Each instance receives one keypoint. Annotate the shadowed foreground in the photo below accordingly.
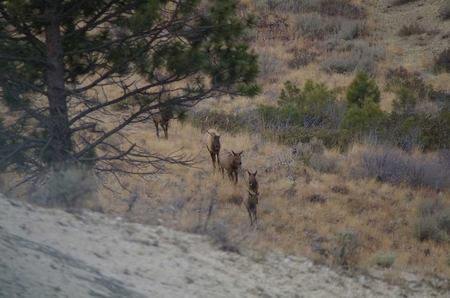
(52, 253)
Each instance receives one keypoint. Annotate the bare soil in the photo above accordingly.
(55, 253)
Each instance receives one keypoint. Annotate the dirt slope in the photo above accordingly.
(52, 253)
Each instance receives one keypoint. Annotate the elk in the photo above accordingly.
(212, 141)
(162, 118)
(231, 162)
(253, 184)
(250, 202)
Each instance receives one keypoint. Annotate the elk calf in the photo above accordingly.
(253, 184)
(231, 162)
(250, 202)
(212, 141)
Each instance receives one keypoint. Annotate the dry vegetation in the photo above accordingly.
(330, 212)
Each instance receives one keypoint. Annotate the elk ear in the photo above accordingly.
(233, 152)
(256, 173)
(240, 153)
(248, 172)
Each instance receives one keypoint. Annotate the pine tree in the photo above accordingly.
(362, 88)
(58, 58)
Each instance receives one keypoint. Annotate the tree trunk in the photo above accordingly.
(58, 121)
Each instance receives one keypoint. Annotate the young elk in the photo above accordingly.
(253, 184)
(250, 202)
(231, 162)
(212, 141)
(162, 118)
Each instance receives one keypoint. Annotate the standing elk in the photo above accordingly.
(250, 202)
(162, 118)
(212, 141)
(231, 162)
(253, 184)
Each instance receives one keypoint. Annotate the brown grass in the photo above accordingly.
(291, 213)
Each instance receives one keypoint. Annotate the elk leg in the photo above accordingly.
(157, 129)
(165, 128)
(251, 220)
(213, 158)
(230, 175)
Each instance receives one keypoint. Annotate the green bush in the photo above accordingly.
(361, 120)
(363, 97)
(312, 106)
(269, 116)
(408, 135)
(340, 139)
(362, 88)
(433, 221)
(385, 260)
(435, 131)
(404, 103)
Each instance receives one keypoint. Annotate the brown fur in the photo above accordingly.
(253, 184)
(160, 119)
(250, 202)
(212, 141)
(231, 162)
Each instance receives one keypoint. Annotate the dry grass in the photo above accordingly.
(291, 213)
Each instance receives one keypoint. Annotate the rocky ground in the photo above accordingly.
(54, 253)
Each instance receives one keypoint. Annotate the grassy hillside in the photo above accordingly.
(314, 201)
(327, 208)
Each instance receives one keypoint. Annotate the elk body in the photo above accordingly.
(231, 162)
(162, 118)
(250, 202)
(212, 141)
(253, 184)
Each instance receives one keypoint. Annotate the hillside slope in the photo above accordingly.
(52, 253)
